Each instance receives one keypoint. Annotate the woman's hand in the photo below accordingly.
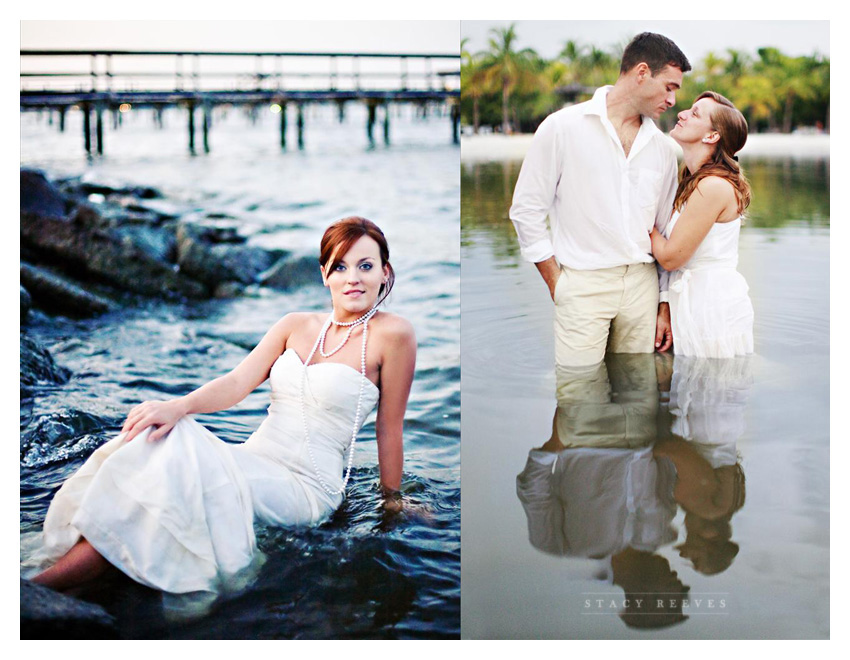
(162, 414)
(393, 503)
(392, 500)
(657, 240)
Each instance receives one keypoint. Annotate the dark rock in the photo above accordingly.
(211, 255)
(80, 242)
(288, 274)
(211, 231)
(47, 614)
(157, 243)
(26, 303)
(54, 293)
(38, 367)
(140, 192)
(157, 215)
(228, 290)
(118, 216)
(39, 196)
(129, 247)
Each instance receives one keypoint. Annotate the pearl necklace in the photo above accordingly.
(350, 325)
(320, 342)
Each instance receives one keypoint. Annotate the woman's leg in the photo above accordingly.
(79, 565)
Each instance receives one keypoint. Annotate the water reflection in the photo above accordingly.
(708, 400)
(634, 438)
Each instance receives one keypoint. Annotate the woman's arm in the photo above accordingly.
(398, 365)
(711, 199)
(218, 394)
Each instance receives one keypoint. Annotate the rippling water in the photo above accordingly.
(360, 574)
(768, 559)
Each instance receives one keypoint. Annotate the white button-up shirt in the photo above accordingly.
(601, 204)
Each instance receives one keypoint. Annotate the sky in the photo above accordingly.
(695, 38)
(346, 36)
(412, 37)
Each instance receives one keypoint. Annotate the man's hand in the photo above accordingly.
(550, 271)
(663, 328)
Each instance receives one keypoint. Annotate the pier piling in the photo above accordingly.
(300, 124)
(87, 127)
(455, 123)
(387, 124)
(370, 121)
(191, 110)
(99, 129)
(206, 128)
(283, 126)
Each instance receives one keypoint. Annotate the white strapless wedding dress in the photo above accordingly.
(710, 309)
(177, 514)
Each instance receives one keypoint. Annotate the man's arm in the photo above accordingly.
(534, 195)
(550, 271)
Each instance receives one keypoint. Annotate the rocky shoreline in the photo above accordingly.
(81, 258)
(89, 249)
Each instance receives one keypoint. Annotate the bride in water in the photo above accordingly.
(173, 506)
(710, 309)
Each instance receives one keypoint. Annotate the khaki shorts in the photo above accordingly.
(613, 309)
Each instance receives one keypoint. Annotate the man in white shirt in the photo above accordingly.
(604, 174)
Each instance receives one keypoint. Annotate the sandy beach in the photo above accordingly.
(476, 148)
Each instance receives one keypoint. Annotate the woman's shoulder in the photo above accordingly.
(715, 197)
(295, 320)
(395, 328)
(716, 187)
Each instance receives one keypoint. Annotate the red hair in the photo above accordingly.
(341, 235)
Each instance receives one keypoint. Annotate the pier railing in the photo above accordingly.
(99, 81)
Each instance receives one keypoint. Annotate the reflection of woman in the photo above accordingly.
(711, 313)
(173, 506)
(708, 400)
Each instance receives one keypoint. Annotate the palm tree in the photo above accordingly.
(508, 69)
(572, 55)
(755, 98)
(473, 83)
(791, 78)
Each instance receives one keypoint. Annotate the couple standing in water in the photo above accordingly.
(637, 261)
(606, 177)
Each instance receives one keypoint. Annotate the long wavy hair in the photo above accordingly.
(730, 124)
(341, 235)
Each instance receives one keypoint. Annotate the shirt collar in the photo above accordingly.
(597, 106)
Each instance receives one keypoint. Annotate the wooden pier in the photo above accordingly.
(99, 82)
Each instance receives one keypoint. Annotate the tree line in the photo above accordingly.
(512, 90)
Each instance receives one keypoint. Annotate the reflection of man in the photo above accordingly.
(604, 174)
(595, 488)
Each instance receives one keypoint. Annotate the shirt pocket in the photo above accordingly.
(649, 193)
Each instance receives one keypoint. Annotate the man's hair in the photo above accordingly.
(656, 50)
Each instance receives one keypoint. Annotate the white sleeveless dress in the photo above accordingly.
(710, 309)
(177, 514)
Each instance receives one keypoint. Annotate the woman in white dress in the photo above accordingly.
(710, 310)
(173, 506)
